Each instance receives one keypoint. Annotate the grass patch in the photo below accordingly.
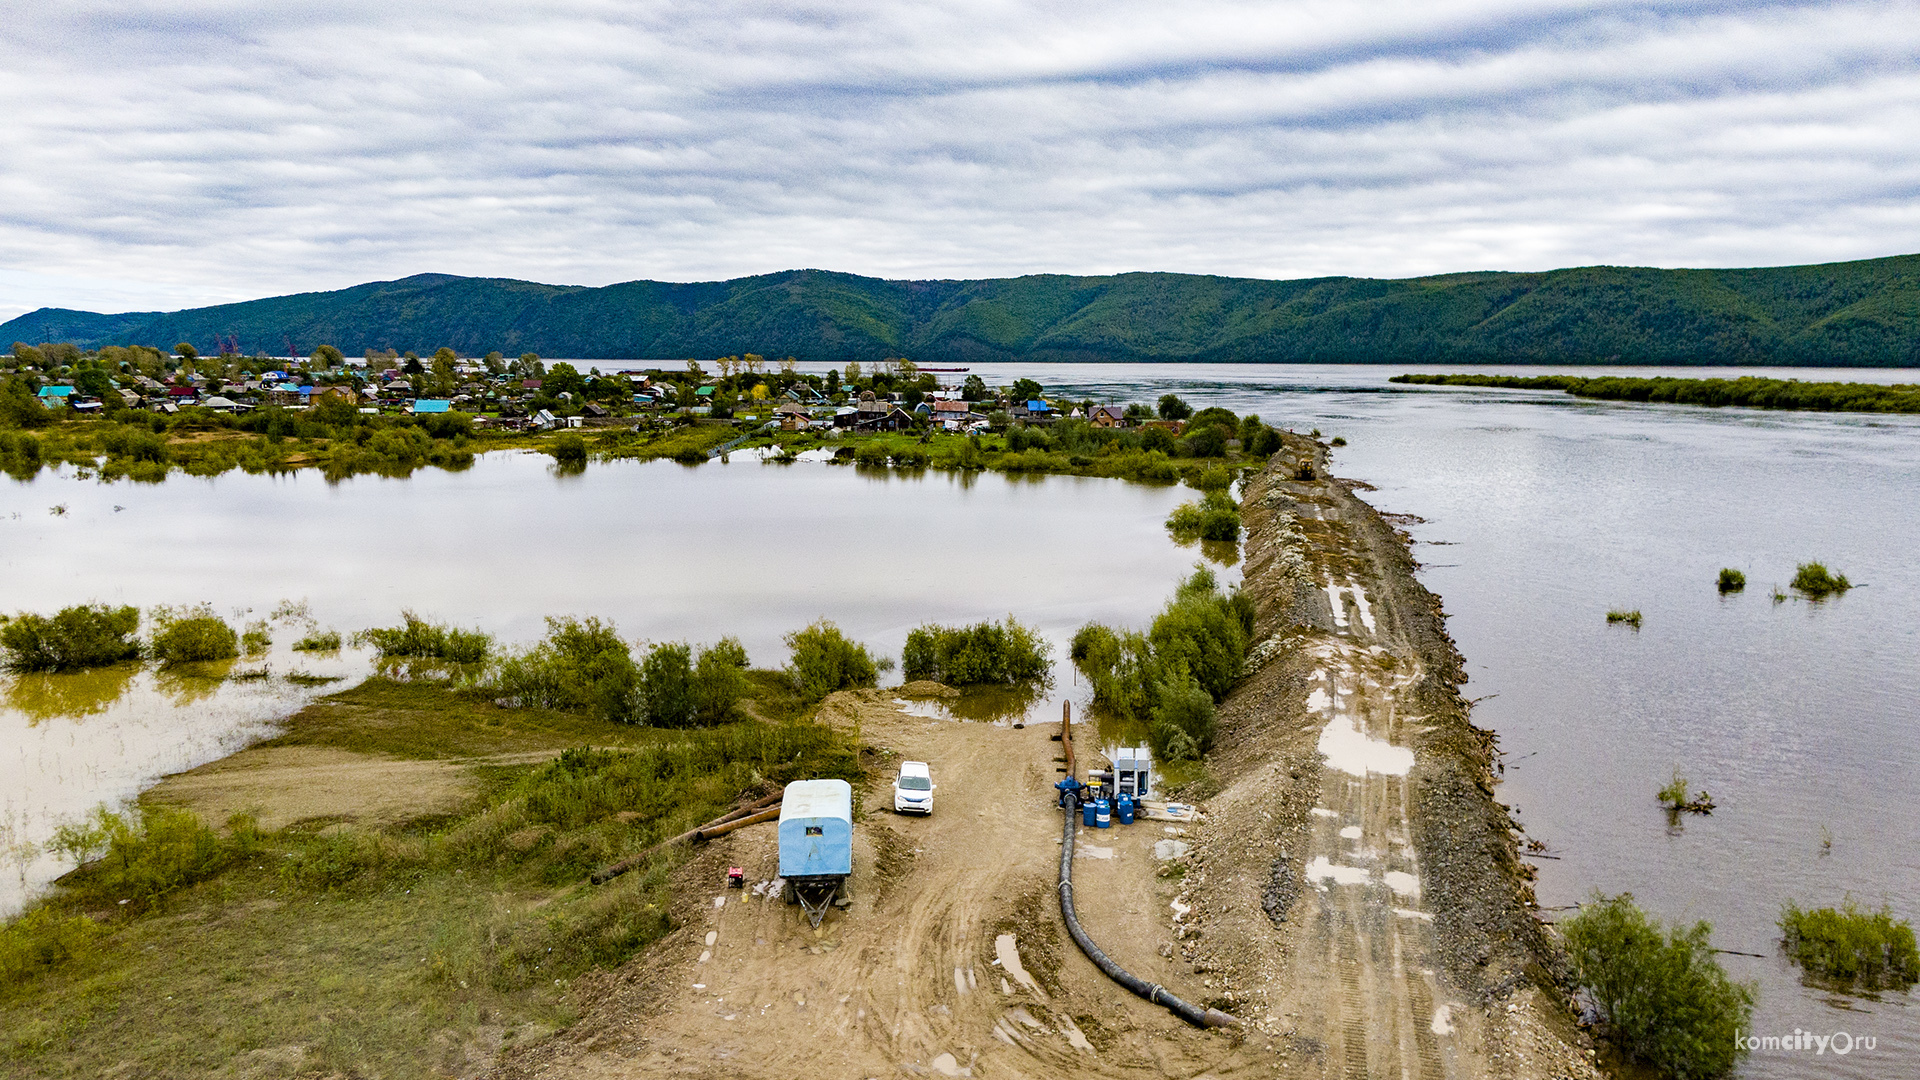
(1816, 582)
(1665, 1000)
(1850, 948)
(1630, 618)
(334, 950)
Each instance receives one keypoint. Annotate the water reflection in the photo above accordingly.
(1021, 703)
(43, 695)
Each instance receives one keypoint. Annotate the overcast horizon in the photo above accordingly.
(176, 154)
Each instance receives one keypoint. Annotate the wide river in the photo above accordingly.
(1538, 513)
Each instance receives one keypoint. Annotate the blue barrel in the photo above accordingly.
(1102, 814)
(1087, 813)
(1125, 810)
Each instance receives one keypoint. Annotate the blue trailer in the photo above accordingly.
(816, 843)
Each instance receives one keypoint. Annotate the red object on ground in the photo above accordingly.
(736, 877)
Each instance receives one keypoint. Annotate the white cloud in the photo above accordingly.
(164, 154)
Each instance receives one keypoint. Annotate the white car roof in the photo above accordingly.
(914, 768)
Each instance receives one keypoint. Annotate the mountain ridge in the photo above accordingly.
(1859, 313)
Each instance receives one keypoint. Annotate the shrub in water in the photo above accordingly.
(1732, 580)
(319, 642)
(582, 665)
(1850, 947)
(83, 636)
(824, 661)
(1665, 999)
(975, 655)
(416, 638)
(568, 449)
(1199, 641)
(1815, 580)
(257, 638)
(1631, 618)
(1214, 517)
(183, 635)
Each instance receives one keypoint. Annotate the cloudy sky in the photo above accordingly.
(168, 153)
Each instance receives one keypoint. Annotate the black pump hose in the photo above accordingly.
(1196, 1015)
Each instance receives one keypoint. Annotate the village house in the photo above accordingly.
(1108, 416)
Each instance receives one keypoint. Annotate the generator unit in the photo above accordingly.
(1133, 772)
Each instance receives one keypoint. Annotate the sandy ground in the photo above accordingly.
(282, 785)
(909, 978)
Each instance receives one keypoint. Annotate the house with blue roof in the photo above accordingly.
(431, 405)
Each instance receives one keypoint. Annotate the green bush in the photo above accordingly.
(582, 665)
(83, 636)
(824, 661)
(870, 454)
(1665, 999)
(1198, 642)
(415, 638)
(1732, 580)
(680, 689)
(1850, 947)
(1214, 517)
(139, 859)
(1815, 580)
(974, 655)
(568, 449)
(40, 940)
(256, 639)
(1630, 618)
(184, 635)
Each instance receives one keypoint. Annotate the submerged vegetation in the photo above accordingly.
(82, 636)
(417, 639)
(1745, 392)
(981, 654)
(1815, 581)
(1665, 1000)
(1171, 676)
(187, 635)
(1214, 516)
(1677, 797)
(824, 660)
(1731, 580)
(1620, 615)
(1850, 948)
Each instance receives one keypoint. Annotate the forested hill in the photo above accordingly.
(1856, 313)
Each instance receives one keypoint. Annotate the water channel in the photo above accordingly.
(1537, 513)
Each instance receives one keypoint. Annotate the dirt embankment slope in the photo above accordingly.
(1352, 893)
(1358, 884)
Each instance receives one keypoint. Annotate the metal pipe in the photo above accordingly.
(601, 877)
(1197, 1015)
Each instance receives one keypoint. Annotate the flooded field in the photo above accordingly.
(665, 551)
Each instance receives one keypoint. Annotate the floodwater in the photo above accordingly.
(1540, 513)
(665, 551)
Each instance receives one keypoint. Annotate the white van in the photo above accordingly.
(913, 789)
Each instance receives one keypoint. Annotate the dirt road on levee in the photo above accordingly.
(1351, 893)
